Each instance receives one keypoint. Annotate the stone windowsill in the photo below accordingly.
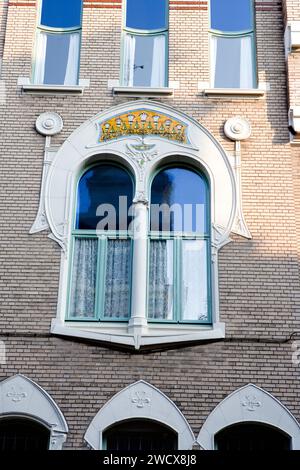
(154, 336)
(34, 89)
(142, 92)
(234, 92)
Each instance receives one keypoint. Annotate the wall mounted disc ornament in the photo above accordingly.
(237, 128)
(49, 124)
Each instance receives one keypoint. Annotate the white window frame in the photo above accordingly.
(144, 33)
(42, 29)
(214, 33)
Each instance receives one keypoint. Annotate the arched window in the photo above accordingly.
(58, 42)
(252, 437)
(232, 44)
(23, 434)
(140, 435)
(179, 247)
(101, 272)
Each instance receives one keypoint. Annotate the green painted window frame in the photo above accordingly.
(178, 238)
(40, 28)
(144, 32)
(237, 34)
(103, 236)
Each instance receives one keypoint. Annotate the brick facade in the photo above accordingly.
(258, 278)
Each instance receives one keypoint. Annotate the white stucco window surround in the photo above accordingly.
(249, 404)
(140, 400)
(23, 398)
(142, 155)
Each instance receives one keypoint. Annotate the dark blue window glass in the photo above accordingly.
(179, 201)
(103, 185)
(146, 14)
(231, 15)
(61, 13)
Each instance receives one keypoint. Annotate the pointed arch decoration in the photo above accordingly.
(249, 404)
(21, 397)
(140, 400)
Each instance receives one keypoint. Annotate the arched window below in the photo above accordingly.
(23, 434)
(252, 437)
(140, 435)
(179, 268)
(101, 266)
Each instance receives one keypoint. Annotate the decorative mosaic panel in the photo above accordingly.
(143, 123)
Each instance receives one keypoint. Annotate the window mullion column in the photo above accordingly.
(138, 320)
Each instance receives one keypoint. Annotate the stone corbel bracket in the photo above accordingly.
(47, 124)
(294, 124)
(238, 129)
(292, 37)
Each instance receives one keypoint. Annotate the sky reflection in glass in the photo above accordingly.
(188, 190)
(104, 184)
(231, 15)
(61, 13)
(146, 14)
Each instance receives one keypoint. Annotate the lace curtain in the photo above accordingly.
(117, 286)
(84, 278)
(161, 280)
(194, 280)
(117, 279)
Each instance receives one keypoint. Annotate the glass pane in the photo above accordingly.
(117, 285)
(194, 280)
(179, 201)
(84, 269)
(146, 14)
(61, 52)
(104, 196)
(232, 62)
(144, 60)
(161, 280)
(61, 13)
(231, 15)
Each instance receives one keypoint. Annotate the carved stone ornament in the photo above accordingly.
(237, 128)
(49, 124)
(251, 403)
(141, 153)
(16, 394)
(140, 399)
